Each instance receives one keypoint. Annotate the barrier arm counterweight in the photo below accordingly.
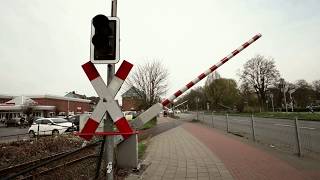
(156, 108)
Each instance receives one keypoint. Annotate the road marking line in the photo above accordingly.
(240, 120)
(287, 125)
(311, 128)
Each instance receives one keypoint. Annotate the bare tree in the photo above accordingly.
(150, 82)
(259, 74)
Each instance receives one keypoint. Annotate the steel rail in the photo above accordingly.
(55, 158)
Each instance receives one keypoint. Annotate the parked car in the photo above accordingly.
(51, 126)
(12, 122)
(165, 113)
(177, 111)
(33, 119)
(130, 115)
(75, 120)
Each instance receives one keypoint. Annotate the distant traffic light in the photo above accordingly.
(104, 46)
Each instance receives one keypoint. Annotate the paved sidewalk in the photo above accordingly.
(244, 161)
(176, 154)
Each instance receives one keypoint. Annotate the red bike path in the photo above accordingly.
(244, 161)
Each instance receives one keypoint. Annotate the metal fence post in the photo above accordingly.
(203, 119)
(227, 119)
(212, 119)
(252, 128)
(298, 137)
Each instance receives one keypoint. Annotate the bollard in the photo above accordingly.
(298, 137)
(252, 128)
(227, 119)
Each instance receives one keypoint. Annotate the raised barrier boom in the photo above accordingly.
(156, 108)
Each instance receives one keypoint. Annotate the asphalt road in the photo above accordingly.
(8, 134)
(276, 132)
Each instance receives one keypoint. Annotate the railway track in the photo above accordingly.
(59, 166)
(28, 169)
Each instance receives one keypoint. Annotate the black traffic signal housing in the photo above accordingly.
(104, 48)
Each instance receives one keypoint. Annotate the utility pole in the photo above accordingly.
(68, 108)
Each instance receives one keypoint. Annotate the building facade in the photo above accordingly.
(64, 105)
(42, 106)
(131, 101)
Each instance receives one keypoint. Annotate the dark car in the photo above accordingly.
(165, 113)
(75, 121)
(12, 122)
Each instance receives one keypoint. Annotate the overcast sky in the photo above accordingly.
(43, 43)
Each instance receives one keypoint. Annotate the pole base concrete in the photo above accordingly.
(127, 156)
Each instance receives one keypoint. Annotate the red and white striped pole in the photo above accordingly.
(208, 71)
(155, 109)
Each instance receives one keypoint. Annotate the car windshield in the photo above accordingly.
(59, 120)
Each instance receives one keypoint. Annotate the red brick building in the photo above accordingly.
(42, 105)
(64, 104)
(131, 101)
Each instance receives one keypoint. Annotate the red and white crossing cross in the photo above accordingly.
(107, 102)
(156, 108)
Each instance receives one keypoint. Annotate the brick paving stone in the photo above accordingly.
(243, 161)
(176, 154)
(202, 174)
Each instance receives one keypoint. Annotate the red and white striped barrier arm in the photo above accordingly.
(107, 103)
(156, 108)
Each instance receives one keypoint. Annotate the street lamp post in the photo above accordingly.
(68, 108)
(68, 104)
